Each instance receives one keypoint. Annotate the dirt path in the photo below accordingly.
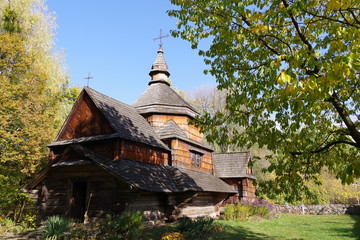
(31, 235)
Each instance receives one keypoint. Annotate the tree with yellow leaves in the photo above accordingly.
(291, 71)
(34, 89)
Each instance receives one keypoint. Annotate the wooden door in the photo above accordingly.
(78, 200)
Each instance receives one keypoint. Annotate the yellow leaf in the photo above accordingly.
(334, 5)
(284, 78)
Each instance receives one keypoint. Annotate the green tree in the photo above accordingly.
(34, 87)
(291, 69)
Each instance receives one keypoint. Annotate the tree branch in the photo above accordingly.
(354, 16)
(327, 146)
(296, 25)
(280, 40)
(267, 45)
(322, 17)
(340, 108)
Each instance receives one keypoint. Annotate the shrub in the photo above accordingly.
(55, 228)
(196, 228)
(127, 225)
(81, 231)
(7, 225)
(246, 210)
(173, 236)
(184, 224)
(229, 212)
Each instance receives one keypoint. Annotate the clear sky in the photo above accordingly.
(113, 40)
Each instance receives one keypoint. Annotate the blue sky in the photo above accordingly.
(113, 41)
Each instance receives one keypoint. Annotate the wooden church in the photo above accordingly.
(110, 156)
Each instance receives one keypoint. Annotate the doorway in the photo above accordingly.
(78, 200)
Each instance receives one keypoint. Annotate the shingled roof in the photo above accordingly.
(146, 176)
(159, 66)
(124, 119)
(171, 130)
(232, 165)
(161, 98)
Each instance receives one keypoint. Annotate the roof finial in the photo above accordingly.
(161, 37)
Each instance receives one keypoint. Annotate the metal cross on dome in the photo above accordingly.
(161, 37)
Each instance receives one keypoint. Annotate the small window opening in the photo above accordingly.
(196, 159)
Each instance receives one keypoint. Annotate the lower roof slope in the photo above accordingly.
(157, 178)
(145, 176)
(232, 165)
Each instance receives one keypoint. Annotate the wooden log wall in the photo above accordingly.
(84, 120)
(204, 204)
(151, 204)
(248, 189)
(105, 194)
(192, 132)
(245, 187)
(181, 156)
(143, 153)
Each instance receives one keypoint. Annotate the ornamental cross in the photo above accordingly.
(88, 78)
(161, 37)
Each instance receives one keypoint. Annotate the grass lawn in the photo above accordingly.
(306, 227)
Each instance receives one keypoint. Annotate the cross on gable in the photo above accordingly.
(88, 78)
(161, 37)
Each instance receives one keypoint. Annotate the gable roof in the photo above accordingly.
(232, 165)
(124, 119)
(145, 176)
(171, 130)
(161, 98)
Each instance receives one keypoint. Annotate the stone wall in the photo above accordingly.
(332, 209)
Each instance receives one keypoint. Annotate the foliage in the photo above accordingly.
(335, 192)
(9, 226)
(55, 228)
(197, 228)
(248, 210)
(127, 225)
(35, 93)
(173, 236)
(291, 72)
(80, 231)
(330, 191)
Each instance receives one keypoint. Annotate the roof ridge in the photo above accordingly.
(106, 96)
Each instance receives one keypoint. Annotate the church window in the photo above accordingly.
(196, 159)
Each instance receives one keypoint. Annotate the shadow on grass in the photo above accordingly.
(229, 233)
(356, 227)
(238, 232)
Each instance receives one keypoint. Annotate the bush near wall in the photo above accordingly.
(248, 210)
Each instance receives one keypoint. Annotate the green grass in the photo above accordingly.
(294, 227)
